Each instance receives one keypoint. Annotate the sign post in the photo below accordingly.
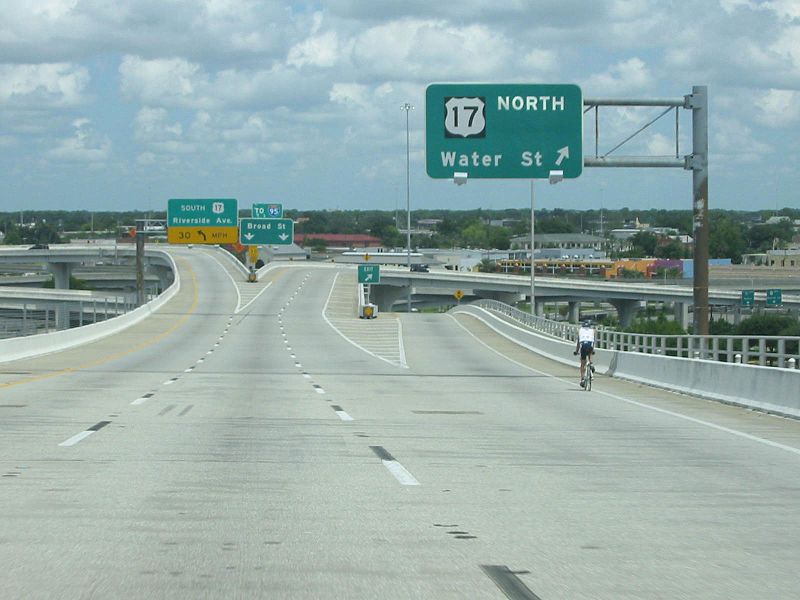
(503, 131)
(271, 232)
(202, 221)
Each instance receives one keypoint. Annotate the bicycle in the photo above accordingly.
(587, 379)
(588, 375)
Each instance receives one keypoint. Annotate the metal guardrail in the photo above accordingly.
(30, 318)
(774, 351)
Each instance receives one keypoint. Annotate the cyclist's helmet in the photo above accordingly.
(587, 323)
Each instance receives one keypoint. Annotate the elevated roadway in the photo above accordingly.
(625, 297)
(258, 440)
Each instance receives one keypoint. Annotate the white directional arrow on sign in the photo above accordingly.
(283, 237)
(368, 277)
(249, 236)
(562, 154)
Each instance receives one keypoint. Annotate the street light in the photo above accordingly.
(408, 107)
(554, 178)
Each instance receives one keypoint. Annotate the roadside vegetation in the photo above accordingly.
(732, 233)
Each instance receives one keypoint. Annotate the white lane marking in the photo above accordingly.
(336, 329)
(201, 360)
(76, 438)
(298, 365)
(344, 416)
(292, 356)
(169, 382)
(255, 297)
(400, 472)
(138, 401)
(236, 287)
(722, 428)
(306, 375)
(210, 352)
(189, 370)
(319, 390)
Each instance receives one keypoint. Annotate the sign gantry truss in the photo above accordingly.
(697, 162)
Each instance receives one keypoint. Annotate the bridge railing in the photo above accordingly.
(775, 351)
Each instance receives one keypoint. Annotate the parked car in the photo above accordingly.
(39, 247)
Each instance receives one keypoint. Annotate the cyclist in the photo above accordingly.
(585, 345)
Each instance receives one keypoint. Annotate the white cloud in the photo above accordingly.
(151, 125)
(428, 50)
(540, 60)
(631, 75)
(85, 146)
(778, 108)
(736, 141)
(660, 145)
(176, 82)
(43, 85)
(164, 81)
(317, 51)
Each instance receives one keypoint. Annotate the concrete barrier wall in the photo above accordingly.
(46, 343)
(763, 388)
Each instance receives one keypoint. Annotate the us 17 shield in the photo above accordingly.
(465, 117)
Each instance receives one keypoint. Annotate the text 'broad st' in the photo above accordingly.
(273, 232)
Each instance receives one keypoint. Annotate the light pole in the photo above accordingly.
(533, 269)
(554, 178)
(408, 107)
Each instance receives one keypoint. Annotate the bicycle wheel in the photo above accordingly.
(588, 386)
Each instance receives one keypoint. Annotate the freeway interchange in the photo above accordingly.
(259, 440)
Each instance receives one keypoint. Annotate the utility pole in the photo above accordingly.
(408, 107)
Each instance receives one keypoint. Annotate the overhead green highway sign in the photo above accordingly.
(369, 274)
(503, 131)
(774, 297)
(202, 221)
(272, 232)
(267, 211)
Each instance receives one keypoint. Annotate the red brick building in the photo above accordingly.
(338, 240)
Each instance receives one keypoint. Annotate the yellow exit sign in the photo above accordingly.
(203, 235)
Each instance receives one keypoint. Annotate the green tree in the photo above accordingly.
(761, 237)
(673, 249)
(475, 236)
(659, 326)
(643, 244)
(726, 238)
(500, 238)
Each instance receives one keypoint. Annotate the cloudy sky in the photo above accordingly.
(122, 105)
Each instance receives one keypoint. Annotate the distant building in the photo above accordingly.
(785, 259)
(503, 222)
(338, 240)
(777, 219)
(428, 225)
(558, 245)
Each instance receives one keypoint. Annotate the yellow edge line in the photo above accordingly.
(150, 342)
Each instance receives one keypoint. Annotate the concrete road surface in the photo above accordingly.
(258, 441)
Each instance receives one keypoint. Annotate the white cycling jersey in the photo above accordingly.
(586, 334)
